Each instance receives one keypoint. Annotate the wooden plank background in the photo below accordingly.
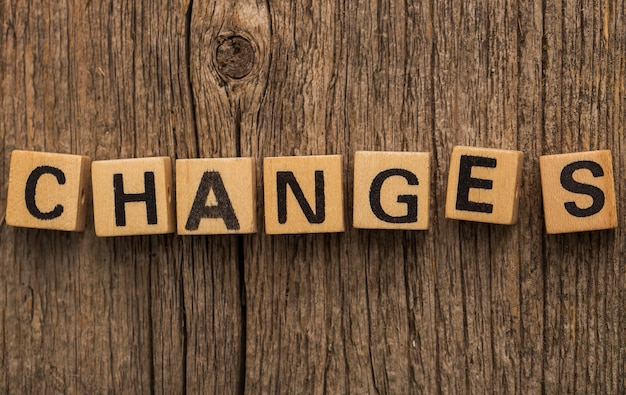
(461, 308)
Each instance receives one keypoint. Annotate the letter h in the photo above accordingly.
(148, 196)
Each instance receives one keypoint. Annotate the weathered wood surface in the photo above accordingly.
(461, 308)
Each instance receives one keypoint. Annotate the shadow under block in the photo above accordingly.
(578, 192)
(133, 196)
(303, 194)
(47, 191)
(483, 185)
(216, 196)
(391, 190)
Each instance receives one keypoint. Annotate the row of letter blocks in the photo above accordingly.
(301, 194)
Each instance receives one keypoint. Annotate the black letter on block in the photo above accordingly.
(567, 181)
(31, 187)
(466, 182)
(284, 178)
(212, 181)
(409, 200)
(121, 198)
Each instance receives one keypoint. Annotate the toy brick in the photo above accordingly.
(216, 196)
(578, 192)
(47, 191)
(483, 185)
(303, 194)
(391, 190)
(133, 196)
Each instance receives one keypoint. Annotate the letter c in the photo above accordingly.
(31, 188)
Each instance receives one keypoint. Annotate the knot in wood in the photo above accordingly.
(234, 57)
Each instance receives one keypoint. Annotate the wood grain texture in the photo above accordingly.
(81, 314)
(461, 308)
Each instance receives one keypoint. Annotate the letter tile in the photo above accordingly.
(391, 190)
(483, 185)
(216, 196)
(47, 191)
(303, 194)
(133, 196)
(578, 192)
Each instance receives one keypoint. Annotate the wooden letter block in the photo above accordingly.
(216, 196)
(391, 190)
(133, 196)
(303, 194)
(483, 185)
(578, 192)
(47, 191)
